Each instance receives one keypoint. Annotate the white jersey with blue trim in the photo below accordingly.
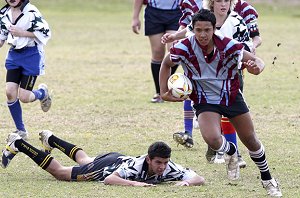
(30, 20)
(164, 4)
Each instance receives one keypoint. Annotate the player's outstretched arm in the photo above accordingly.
(171, 37)
(115, 179)
(252, 63)
(194, 181)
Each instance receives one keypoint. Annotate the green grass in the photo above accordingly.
(100, 76)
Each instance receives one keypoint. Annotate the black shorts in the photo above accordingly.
(93, 171)
(237, 108)
(159, 21)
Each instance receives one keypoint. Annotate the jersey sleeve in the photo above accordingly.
(128, 169)
(178, 173)
(179, 51)
(250, 16)
(187, 13)
(39, 27)
(3, 29)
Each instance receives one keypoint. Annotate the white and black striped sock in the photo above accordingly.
(260, 160)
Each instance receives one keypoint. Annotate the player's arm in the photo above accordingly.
(252, 63)
(256, 41)
(164, 74)
(171, 37)
(16, 31)
(115, 179)
(136, 23)
(194, 181)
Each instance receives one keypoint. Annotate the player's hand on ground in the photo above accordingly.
(251, 67)
(169, 97)
(143, 184)
(167, 38)
(182, 183)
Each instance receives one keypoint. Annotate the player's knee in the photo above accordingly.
(214, 142)
(11, 95)
(60, 175)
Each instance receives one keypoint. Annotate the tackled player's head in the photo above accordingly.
(159, 149)
(159, 154)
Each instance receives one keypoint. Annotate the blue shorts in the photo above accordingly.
(159, 21)
(237, 108)
(29, 59)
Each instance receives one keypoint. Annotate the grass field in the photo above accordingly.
(100, 76)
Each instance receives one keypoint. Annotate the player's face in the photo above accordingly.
(157, 165)
(13, 3)
(203, 31)
(221, 7)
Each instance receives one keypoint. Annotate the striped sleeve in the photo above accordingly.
(249, 15)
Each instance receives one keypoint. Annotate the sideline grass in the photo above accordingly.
(99, 72)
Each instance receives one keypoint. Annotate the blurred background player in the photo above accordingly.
(231, 26)
(161, 16)
(26, 31)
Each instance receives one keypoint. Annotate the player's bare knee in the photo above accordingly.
(11, 96)
(214, 142)
(60, 175)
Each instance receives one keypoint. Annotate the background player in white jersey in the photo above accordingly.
(112, 168)
(212, 62)
(26, 31)
(161, 16)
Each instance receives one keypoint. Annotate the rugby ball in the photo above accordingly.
(181, 86)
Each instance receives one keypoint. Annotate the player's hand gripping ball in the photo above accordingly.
(181, 86)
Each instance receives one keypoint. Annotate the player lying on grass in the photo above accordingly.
(112, 168)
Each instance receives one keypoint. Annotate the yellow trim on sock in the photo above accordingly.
(45, 161)
(72, 151)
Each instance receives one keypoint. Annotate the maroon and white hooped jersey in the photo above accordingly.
(215, 81)
(250, 16)
(188, 9)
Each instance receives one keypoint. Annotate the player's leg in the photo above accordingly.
(245, 129)
(185, 138)
(13, 78)
(158, 52)
(16, 144)
(50, 141)
(209, 123)
(231, 136)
